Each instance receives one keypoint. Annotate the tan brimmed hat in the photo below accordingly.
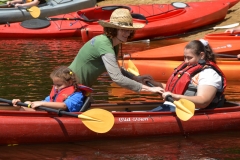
(121, 19)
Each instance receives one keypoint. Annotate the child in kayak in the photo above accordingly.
(66, 93)
(197, 79)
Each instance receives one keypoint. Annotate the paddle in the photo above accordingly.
(85, 19)
(227, 55)
(81, 19)
(184, 108)
(227, 26)
(111, 8)
(34, 10)
(97, 120)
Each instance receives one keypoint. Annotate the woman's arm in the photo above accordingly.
(205, 95)
(114, 72)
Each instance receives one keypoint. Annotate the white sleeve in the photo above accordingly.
(210, 77)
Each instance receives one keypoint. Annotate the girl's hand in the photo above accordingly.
(175, 96)
(14, 102)
(36, 104)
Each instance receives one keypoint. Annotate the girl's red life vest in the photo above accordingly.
(179, 81)
(66, 92)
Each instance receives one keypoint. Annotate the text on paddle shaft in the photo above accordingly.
(134, 119)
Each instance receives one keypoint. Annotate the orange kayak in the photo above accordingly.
(223, 36)
(161, 70)
(175, 52)
(163, 19)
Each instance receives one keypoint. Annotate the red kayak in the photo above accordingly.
(130, 120)
(223, 36)
(42, 28)
(163, 19)
(221, 47)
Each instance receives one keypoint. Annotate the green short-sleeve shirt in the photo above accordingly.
(88, 64)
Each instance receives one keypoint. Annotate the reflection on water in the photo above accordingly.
(25, 68)
(27, 63)
(217, 146)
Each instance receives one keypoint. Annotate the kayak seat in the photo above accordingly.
(35, 23)
(86, 104)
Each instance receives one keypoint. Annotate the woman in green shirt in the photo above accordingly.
(99, 54)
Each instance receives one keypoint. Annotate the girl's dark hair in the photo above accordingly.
(112, 32)
(197, 46)
(65, 74)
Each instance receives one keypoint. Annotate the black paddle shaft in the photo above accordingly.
(168, 97)
(60, 112)
(134, 15)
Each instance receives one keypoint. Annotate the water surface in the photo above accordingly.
(25, 68)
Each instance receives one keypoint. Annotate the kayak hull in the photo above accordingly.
(53, 29)
(51, 8)
(21, 127)
(223, 36)
(175, 51)
(163, 19)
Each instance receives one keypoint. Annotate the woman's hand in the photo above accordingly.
(156, 90)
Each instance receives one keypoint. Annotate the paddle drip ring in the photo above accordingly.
(179, 5)
(59, 112)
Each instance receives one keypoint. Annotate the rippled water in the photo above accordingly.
(25, 68)
(217, 146)
(26, 65)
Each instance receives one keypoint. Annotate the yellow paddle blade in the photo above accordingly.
(34, 11)
(184, 109)
(132, 68)
(133, 72)
(98, 120)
